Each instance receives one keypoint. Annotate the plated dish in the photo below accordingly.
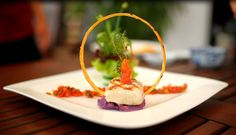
(158, 108)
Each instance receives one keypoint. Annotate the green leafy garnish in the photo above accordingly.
(111, 68)
(113, 45)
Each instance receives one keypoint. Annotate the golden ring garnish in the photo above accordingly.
(111, 16)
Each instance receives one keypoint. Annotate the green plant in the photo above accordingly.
(113, 48)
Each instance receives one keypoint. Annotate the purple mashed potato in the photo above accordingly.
(113, 106)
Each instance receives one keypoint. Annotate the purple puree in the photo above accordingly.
(113, 106)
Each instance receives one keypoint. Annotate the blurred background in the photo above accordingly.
(183, 24)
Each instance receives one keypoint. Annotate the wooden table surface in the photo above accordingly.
(22, 115)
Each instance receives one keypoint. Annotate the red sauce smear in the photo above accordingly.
(67, 91)
(169, 89)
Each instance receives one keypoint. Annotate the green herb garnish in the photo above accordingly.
(113, 45)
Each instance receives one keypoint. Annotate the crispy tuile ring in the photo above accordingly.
(111, 16)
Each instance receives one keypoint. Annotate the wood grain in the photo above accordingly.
(18, 113)
(12, 99)
(231, 99)
(34, 127)
(217, 111)
(26, 119)
(231, 131)
(226, 93)
(178, 125)
(208, 128)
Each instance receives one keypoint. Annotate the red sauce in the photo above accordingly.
(67, 91)
(169, 89)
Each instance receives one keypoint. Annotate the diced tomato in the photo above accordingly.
(49, 93)
(167, 89)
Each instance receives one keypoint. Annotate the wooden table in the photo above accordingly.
(21, 115)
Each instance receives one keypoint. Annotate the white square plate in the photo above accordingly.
(159, 108)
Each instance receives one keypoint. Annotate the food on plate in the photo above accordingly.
(67, 91)
(61, 91)
(168, 89)
(121, 107)
(124, 93)
(130, 94)
(113, 45)
(117, 15)
(125, 77)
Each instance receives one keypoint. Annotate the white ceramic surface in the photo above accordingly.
(159, 108)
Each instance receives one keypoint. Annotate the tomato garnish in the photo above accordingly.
(66, 91)
(126, 72)
(167, 89)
